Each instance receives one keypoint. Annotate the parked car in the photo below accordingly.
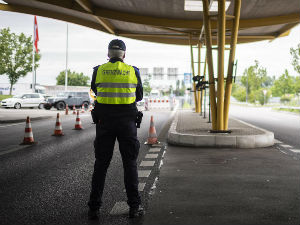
(24, 100)
(68, 98)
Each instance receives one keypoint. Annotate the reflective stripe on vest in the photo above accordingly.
(115, 95)
(116, 83)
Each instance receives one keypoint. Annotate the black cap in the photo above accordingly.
(117, 44)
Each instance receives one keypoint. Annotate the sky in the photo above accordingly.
(88, 48)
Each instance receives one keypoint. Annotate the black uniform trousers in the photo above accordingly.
(107, 131)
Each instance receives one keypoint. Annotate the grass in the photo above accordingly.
(287, 110)
(4, 97)
(186, 105)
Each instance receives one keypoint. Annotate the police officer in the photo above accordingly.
(117, 87)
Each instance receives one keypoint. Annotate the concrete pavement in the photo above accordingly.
(219, 179)
(226, 186)
(191, 129)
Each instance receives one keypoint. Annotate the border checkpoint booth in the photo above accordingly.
(200, 24)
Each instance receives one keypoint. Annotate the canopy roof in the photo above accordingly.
(164, 21)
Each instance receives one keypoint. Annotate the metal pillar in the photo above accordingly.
(233, 41)
(204, 79)
(199, 96)
(221, 48)
(193, 71)
(208, 41)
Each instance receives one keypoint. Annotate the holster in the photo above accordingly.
(94, 116)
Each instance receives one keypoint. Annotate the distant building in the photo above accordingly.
(158, 73)
(144, 72)
(162, 78)
(172, 73)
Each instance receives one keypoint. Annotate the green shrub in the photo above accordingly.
(285, 99)
(4, 97)
(239, 93)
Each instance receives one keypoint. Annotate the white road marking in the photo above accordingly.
(144, 173)
(141, 186)
(277, 141)
(17, 148)
(14, 124)
(295, 150)
(286, 146)
(283, 152)
(154, 150)
(151, 156)
(147, 163)
(120, 208)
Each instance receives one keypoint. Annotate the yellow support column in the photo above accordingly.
(221, 47)
(208, 42)
(233, 41)
(199, 97)
(193, 71)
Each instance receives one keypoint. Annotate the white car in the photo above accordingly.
(24, 100)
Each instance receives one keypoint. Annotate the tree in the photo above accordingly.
(285, 84)
(16, 55)
(74, 79)
(295, 53)
(146, 86)
(297, 86)
(254, 78)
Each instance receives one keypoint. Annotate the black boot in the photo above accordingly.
(136, 212)
(93, 214)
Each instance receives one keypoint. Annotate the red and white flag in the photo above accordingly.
(36, 35)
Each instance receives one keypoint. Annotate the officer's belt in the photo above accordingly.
(116, 85)
(115, 95)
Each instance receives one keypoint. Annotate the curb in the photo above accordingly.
(220, 140)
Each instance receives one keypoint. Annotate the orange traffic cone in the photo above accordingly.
(74, 110)
(152, 137)
(91, 107)
(82, 108)
(58, 127)
(78, 122)
(67, 110)
(28, 137)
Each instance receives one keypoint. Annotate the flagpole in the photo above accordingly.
(66, 72)
(33, 69)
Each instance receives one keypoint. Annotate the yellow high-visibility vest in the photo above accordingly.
(116, 83)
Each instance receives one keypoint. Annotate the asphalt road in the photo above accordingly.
(49, 183)
(284, 125)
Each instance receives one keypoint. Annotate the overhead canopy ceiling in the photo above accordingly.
(164, 21)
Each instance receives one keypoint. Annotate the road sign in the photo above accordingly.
(187, 78)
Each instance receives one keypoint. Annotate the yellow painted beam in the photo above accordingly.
(193, 71)
(285, 31)
(193, 24)
(51, 14)
(208, 43)
(221, 48)
(234, 36)
(199, 96)
(87, 6)
(178, 23)
(175, 41)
